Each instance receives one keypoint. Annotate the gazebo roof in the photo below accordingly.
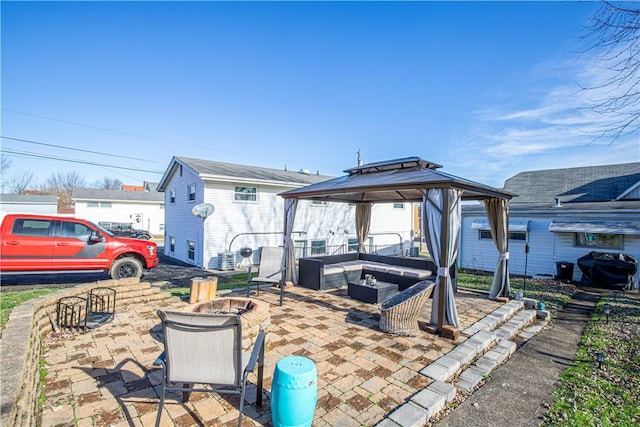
(400, 180)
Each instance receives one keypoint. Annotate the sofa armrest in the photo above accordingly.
(311, 272)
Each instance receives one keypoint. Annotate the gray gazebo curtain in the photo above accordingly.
(289, 253)
(363, 222)
(498, 216)
(441, 211)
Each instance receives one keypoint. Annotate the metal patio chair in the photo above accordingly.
(270, 269)
(207, 349)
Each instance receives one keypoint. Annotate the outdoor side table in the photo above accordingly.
(381, 292)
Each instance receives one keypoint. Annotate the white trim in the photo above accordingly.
(628, 190)
(514, 225)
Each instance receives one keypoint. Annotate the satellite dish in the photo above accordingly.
(203, 210)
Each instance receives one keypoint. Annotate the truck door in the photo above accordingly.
(73, 251)
(28, 245)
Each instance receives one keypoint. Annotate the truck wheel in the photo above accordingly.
(144, 237)
(126, 267)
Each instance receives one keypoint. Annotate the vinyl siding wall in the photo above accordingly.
(152, 214)
(180, 222)
(233, 221)
(545, 247)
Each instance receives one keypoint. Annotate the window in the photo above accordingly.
(191, 191)
(161, 227)
(98, 204)
(597, 240)
(513, 235)
(191, 250)
(172, 244)
(245, 194)
(172, 196)
(74, 230)
(398, 206)
(318, 247)
(518, 235)
(352, 245)
(31, 227)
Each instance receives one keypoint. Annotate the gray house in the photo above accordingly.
(558, 216)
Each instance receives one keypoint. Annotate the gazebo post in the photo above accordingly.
(444, 255)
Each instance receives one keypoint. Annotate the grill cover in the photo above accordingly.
(607, 270)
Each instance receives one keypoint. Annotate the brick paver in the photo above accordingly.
(106, 376)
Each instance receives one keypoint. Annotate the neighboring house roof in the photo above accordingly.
(116, 195)
(150, 186)
(132, 187)
(574, 185)
(629, 206)
(29, 199)
(210, 170)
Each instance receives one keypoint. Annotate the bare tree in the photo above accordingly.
(613, 34)
(108, 184)
(21, 182)
(5, 164)
(63, 184)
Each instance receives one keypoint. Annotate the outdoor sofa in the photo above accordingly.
(334, 271)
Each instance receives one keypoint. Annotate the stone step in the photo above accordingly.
(495, 318)
(483, 366)
(518, 322)
(464, 367)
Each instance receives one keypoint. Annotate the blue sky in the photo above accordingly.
(487, 89)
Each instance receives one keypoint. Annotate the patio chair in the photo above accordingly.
(270, 268)
(399, 314)
(207, 349)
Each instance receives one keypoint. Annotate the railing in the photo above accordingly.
(389, 250)
(306, 251)
(258, 234)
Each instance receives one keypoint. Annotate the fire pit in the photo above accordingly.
(254, 314)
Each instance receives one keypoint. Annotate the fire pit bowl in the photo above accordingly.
(254, 314)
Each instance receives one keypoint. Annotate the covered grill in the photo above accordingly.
(610, 270)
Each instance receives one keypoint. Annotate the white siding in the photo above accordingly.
(231, 226)
(545, 248)
(41, 209)
(151, 214)
(179, 220)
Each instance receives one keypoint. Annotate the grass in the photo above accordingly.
(231, 281)
(606, 395)
(9, 300)
(554, 294)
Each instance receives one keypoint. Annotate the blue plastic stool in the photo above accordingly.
(294, 392)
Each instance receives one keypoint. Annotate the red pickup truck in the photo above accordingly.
(53, 244)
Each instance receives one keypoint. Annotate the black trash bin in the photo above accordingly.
(564, 271)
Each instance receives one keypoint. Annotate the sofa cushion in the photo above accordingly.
(351, 266)
(398, 271)
(415, 273)
(333, 269)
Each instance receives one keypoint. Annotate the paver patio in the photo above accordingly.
(106, 376)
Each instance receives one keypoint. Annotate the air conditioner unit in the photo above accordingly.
(226, 260)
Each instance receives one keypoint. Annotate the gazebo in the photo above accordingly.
(412, 179)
